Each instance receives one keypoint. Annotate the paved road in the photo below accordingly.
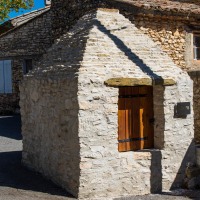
(175, 195)
(18, 183)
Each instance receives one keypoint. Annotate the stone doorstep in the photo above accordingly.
(116, 82)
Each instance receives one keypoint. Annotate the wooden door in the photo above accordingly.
(135, 118)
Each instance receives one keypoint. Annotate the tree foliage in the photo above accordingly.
(6, 6)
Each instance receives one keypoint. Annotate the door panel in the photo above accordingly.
(135, 118)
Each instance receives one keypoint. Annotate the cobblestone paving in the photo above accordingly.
(19, 183)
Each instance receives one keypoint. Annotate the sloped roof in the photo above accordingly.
(113, 48)
(177, 7)
(20, 20)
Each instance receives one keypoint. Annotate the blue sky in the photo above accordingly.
(37, 5)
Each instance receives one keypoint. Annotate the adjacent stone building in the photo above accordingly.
(108, 111)
(23, 40)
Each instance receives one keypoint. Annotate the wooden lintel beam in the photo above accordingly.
(118, 82)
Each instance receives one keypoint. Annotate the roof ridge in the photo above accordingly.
(28, 13)
(23, 19)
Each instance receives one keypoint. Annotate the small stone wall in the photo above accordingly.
(49, 111)
(69, 115)
(98, 131)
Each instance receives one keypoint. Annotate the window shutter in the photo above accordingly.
(122, 129)
(127, 121)
(8, 76)
(1, 77)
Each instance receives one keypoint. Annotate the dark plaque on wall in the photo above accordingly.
(182, 109)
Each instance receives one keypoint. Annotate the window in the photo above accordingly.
(5, 76)
(135, 118)
(27, 66)
(196, 47)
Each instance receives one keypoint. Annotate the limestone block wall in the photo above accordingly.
(121, 173)
(168, 32)
(34, 37)
(50, 90)
(28, 41)
(49, 113)
(173, 34)
(105, 172)
(69, 84)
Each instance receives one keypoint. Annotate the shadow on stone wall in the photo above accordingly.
(8, 103)
(156, 172)
(159, 116)
(188, 158)
(163, 32)
(128, 52)
(195, 76)
(187, 1)
(159, 127)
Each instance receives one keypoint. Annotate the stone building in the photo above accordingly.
(23, 40)
(108, 111)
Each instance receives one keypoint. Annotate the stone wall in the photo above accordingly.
(103, 45)
(28, 41)
(31, 38)
(108, 45)
(195, 75)
(50, 129)
(172, 35)
(169, 34)
(56, 79)
(67, 12)
(9, 103)
(175, 37)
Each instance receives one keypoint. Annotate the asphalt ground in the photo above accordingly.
(16, 181)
